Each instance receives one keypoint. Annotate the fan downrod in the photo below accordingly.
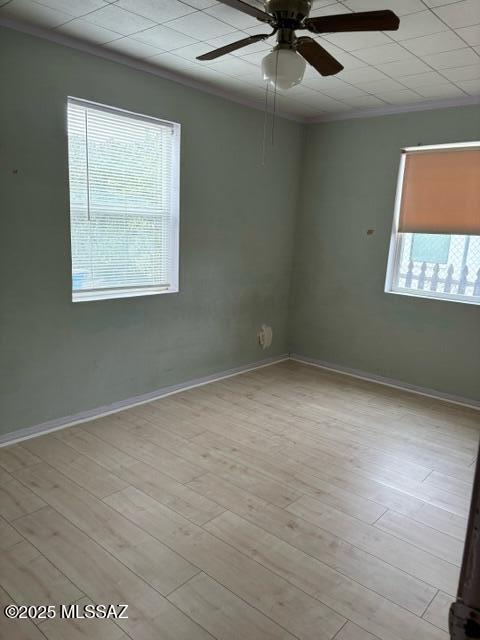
(288, 13)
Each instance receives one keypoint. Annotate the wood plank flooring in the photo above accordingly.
(284, 503)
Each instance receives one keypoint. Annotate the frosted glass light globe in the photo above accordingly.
(283, 68)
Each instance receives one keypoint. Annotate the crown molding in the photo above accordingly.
(390, 110)
(140, 65)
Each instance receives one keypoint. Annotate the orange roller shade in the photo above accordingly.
(441, 192)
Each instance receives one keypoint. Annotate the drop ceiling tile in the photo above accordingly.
(315, 81)
(382, 86)
(332, 87)
(233, 17)
(174, 63)
(400, 7)
(134, 48)
(470, 72)
(407, 96)
(156, 10)
(402, 68)
(365, 101)
(201, 26)
(330, 10)
(440, 91)
(191, 51)
(382, 54)
(221, 41)
(470, 34)
(83, 30)
(423, 79)
(260, 28)
(341, 92)
(164, 38)
(35, 13)
(438, 3)
(457, 58)
(200, 4)
(365, 74)
(418, 24)
(460, 14)
(74, 7)
(318, 4)
(435, 43)
(233, 66)
(472, 87)
(325, 103)
(360, 40)
(116, 19)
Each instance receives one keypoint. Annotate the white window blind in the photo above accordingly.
(123, 172)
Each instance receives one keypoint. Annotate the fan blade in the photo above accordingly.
(364, 21)
(318, 57)
(216, 53)
(247, 8)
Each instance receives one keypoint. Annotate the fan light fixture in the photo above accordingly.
(283, 68)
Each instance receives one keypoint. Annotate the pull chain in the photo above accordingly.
(265, 118)
(275, 99)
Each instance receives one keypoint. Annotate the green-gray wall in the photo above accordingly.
(242, 224)
(236, 241)
(339, 312)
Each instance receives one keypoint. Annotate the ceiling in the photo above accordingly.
(434, 56)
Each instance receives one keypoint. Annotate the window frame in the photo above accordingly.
(396, 238)
(133, 291)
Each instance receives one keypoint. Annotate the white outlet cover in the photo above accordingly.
(265, 336)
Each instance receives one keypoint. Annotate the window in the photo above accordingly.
(124, 173)
(435, 245)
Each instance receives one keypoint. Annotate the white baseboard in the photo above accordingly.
(115, 407)
(98, 412)
(387, 382)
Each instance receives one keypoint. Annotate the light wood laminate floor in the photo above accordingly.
(283, 503)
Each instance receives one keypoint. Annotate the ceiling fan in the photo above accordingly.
(285, 65)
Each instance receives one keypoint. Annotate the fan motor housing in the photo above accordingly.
(288, 10)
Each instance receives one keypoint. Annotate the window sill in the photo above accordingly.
(425, 296)
(115, 294)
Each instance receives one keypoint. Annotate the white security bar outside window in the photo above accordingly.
(124, 202)
(435, 243)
